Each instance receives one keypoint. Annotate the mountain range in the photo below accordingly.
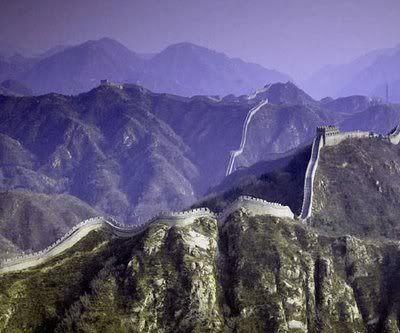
(248, 272)
(367, 75)
(184, 69)
(187, 69)
(130, 153)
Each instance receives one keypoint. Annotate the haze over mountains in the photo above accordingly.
(184, 69)
(162, 185)
(126, 152)
(366, 75)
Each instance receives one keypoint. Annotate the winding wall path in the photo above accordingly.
(255, 205)
(250, 115)
(309, 178)
(332, 140)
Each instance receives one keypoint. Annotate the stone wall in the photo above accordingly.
(329, 136)
(184, 218)
(66, 241)
(238, 152)
(332, 140)
(309, 178)
(257, 206)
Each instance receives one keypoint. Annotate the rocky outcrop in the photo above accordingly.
(253, 273)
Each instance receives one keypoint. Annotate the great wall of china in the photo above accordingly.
(326, 136)
(330, 136)
(255, 205)
(250, 114)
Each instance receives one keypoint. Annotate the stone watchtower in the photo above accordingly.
(327, 131)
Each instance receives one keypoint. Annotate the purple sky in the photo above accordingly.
(295, 36)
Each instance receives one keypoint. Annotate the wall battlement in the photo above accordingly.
(256, 205)
(108, 83)
(331, 136)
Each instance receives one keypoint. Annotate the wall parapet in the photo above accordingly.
(236, 153)
(309, 178)
(182, 218)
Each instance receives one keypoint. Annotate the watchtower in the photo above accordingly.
(105, 82)
(327, 131)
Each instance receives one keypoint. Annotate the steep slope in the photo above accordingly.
(278, 180)
(107, 150)
(287, 122)
(32, 221)
(259, 274)
(379, 118)
(330, 80)
(347, 105)
(357, 188)
(245, 272)
(129, 153)
(187, 69)
(284, 93)
(13, 87)
(12, 68)
(373, 79)
(52, 51)
(279, 129)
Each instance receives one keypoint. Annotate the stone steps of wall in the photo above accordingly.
(246, 123)
(309, 179)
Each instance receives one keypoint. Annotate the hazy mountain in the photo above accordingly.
(14, 68)
(284, 93)
(372, 80)
(13, 87)
(8, 49)
(183, 69)
(52, 51)
(81, 68)
(332, 80)
(371, 119)
(187, 69)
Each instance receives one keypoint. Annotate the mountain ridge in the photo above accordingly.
(183, 69)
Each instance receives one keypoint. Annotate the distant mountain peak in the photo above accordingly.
(103, 42)
(186, 48)
(186, 45)
(184, 69)
(283, 93)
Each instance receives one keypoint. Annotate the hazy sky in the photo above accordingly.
(294, 36)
